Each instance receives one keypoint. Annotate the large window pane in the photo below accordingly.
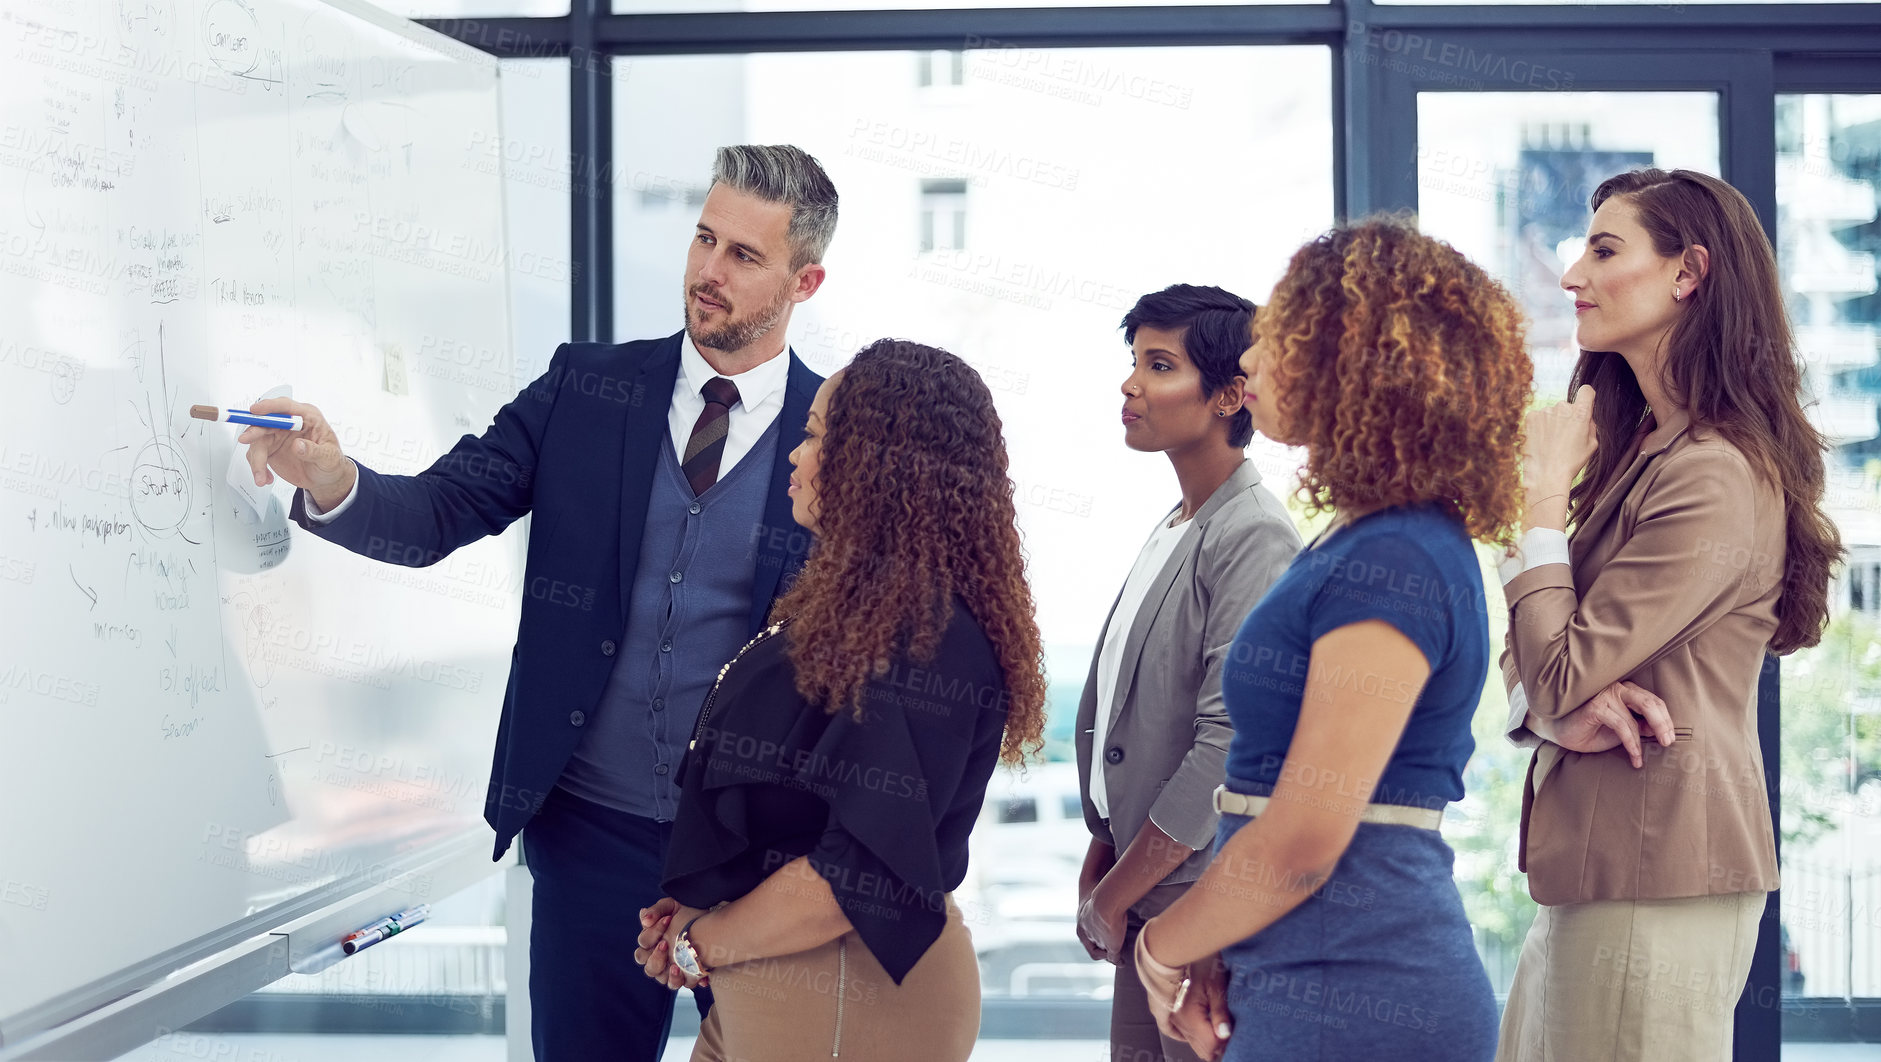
(1505, 178)
(1828, 177)
(1012, 217)
(538, 168)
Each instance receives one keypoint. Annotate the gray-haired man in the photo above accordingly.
(658, 477)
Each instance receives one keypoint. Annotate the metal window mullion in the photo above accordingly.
(591, 188)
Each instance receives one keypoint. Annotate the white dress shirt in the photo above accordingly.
(1538, 546)
(760, 399)
(1155, 553)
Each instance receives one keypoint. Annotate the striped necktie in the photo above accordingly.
(707, 445)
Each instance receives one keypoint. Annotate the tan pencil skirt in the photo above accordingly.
(1631, 980)
(836, 1001)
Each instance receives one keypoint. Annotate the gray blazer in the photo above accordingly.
(1166, 747)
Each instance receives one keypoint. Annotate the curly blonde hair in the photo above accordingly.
(1402, 367)
(915, 506)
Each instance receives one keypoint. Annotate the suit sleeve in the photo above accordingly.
(1680, 570)
(479, 488)
(1234, 572)
(1516, 730)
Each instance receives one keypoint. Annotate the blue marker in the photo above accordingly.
(283, 421)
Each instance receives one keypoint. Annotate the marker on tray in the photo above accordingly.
(389, 926)
(283, 421)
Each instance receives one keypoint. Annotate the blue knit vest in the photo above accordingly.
(689, 613)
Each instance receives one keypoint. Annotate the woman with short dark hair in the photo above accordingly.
(1152, 734)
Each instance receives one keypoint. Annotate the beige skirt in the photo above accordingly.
(836, 1001)
(1631, 980)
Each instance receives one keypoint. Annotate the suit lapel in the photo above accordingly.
(782, 544)
(1243, 478)
(1145, 618)
(640, 454)
(1082, 737)
(1592, 529)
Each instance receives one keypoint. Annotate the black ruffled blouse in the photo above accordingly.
(882, 807)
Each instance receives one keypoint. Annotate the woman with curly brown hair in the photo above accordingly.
(1328, 925)
(1693, 481)
(842, 758)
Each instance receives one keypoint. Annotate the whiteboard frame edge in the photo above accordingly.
(42, 1026)
(210, 982)
(414, 31)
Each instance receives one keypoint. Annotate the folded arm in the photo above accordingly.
(1678, 572)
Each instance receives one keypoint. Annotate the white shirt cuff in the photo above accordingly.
(1539, 546)
(1517, 731)
(314, 513)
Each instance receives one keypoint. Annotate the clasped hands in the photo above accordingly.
(1101, 928)
(1196, 1014)
(659, 925)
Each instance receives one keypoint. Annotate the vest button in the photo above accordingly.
(693, 509)
(666, 647)
(661, 769)
(676, 575)
(607, 648)
(659, 705)
(1113, 754)
(577, 717)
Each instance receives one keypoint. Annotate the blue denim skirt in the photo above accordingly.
(1378, 964)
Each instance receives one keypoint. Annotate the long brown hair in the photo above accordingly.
(1400, 365)
(1731, 360)
(914, 506)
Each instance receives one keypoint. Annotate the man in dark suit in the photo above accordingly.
(658, 476)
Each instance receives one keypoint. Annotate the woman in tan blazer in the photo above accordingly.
(1152, 733)
(1698, 542)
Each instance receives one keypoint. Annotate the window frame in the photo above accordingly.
(1747, 53)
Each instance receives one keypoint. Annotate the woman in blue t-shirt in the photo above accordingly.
(1328, 925)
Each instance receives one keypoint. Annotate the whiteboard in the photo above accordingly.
(210, 720)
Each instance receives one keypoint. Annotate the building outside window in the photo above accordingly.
(943, 215)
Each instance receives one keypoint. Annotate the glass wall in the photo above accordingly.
(1828, 180)
(1505, 177)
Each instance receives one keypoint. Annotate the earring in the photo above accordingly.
(1221, 413)
(1675, 293)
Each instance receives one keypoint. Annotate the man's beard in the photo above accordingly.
(736, 333)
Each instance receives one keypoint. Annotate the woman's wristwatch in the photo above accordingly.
(685, 956)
